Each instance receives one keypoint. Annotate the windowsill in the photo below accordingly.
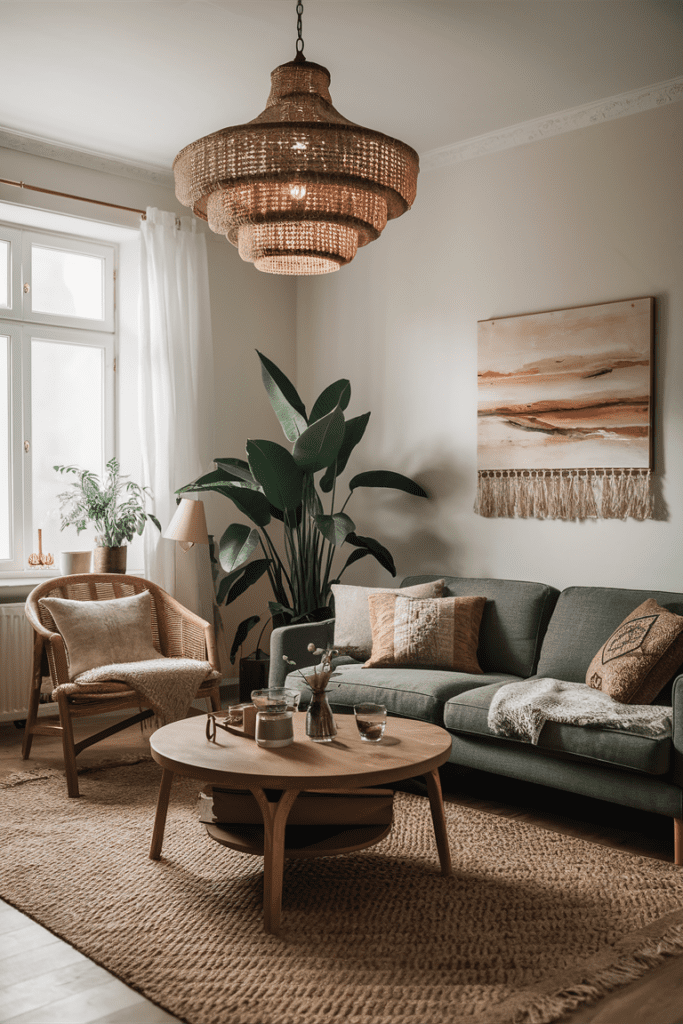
(17, 579)
(26, 579)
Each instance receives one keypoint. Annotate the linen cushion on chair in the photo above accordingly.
(103, 632)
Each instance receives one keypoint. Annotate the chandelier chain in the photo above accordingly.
(299, 29)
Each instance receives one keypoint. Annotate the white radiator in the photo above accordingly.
(16, 650)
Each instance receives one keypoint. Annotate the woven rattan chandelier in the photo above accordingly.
(299, 188)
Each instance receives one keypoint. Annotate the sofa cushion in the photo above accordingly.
(352, 629)
(583, 620)
(407, 692)
(514, 620)
(467, 712)
(438, 633)
(640, 657)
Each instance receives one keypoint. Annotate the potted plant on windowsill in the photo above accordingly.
(116, 509)
(295, 490)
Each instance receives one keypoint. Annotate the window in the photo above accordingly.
(57, 348)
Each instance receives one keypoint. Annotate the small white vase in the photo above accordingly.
(71, 562)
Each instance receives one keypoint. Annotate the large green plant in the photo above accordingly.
(115, 507)
(279, 484)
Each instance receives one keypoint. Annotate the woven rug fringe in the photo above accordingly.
(629, 968)
(564, 493)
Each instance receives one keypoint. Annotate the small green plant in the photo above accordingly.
(88, 501)
(290, 495)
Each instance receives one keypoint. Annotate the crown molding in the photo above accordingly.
(626, 103)
(104, 162)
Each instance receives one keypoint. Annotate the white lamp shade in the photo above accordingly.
(188, 525)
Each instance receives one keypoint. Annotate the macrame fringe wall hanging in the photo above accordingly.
(565, 413)
(565, 494)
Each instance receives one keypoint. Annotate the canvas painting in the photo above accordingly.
(567, 390)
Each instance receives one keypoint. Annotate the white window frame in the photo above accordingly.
(15, 425)
(14, 310)
(22, 329)
(78, 245)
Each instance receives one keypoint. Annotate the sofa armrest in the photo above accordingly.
(677, 705)
(292, 642)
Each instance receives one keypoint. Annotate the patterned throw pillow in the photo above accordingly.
(430, 633)
(641, 655)
(352, 630)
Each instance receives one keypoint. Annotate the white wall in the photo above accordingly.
(249, 310)
(585, 217)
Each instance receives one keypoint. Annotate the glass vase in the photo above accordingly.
(320, 725)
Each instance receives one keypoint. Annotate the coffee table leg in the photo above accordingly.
(439, 820)
(274, 822)
(160, 819)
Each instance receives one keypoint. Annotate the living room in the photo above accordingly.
(550, 151)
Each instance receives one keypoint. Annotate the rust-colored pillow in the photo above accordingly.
(641, 655)
(429, 633)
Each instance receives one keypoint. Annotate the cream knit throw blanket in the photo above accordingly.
(168, 684)
(520, 710)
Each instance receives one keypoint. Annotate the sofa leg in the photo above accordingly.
(678, 841)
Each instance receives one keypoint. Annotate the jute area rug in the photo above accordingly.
(531, 925)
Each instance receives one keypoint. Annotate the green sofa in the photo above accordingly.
(528, 630)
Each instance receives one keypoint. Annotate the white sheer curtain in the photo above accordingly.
(175, 391)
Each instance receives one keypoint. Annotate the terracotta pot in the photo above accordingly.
(109, 559)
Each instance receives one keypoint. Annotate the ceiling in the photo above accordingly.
(139, 80)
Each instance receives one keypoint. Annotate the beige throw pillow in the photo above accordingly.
(352, 629)
(429, 633)
(641, 655)
(104, 632)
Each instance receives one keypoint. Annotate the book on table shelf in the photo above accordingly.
(221, 806)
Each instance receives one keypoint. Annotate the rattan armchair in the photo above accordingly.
(176, 633)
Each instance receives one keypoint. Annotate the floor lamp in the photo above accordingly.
(188, 527)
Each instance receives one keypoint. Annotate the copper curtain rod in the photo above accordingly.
(67, 195)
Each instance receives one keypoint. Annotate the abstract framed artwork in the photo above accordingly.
(565, 427)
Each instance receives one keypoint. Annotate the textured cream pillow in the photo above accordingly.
(428, 633)
(352, 630)
(104, 632)
(641, 655)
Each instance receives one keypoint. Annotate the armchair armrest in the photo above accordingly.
(48, 644)
(184, 634)
(292, 642)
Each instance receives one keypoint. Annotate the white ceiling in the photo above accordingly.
(139, 80)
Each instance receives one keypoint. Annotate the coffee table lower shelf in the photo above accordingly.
(301, 840)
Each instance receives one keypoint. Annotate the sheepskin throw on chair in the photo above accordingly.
(565, 413)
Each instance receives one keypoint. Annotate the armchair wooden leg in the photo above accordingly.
(678, 841)
(34, 696)
(68, 747)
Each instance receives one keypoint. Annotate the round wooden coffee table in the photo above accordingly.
(408, 748)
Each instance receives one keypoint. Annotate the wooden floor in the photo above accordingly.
(57, 984)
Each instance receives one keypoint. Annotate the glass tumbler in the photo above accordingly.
(371, 720)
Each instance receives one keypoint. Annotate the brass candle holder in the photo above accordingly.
(40, 558)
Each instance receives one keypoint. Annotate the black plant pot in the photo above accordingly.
(253, 674)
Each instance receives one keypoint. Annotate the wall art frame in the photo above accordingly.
(565, 412)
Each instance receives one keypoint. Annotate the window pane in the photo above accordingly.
(5, 480)
(67, 399)
(4, 274)
(67, 283)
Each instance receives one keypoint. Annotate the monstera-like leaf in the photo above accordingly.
(277, 472)
(337, 394)
(287, 405)
(237, 544)
(319, 445)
